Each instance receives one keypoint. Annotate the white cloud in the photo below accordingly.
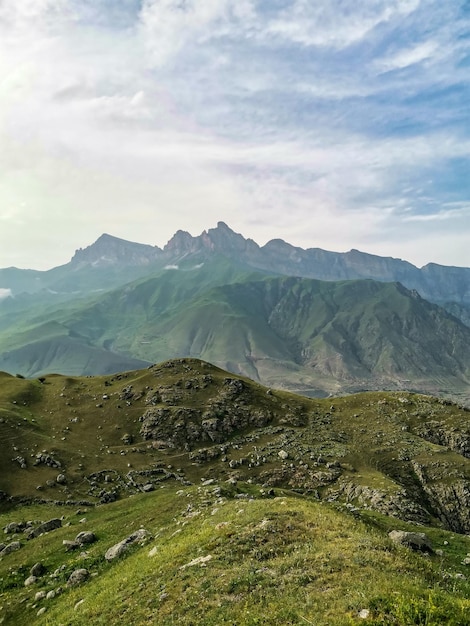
(332, 24)
(443, 214)
(170, 25)
(246, 111)
(5, 293)
(404, 58)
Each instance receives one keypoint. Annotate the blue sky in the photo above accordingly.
(336, 124)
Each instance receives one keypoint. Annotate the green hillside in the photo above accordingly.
(213, 558)
(310, 336)
(304, 335)
(257, 506)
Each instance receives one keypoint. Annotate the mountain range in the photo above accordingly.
(312, 321)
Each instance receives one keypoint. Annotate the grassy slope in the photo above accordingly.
(301, 333)
(378, 440)
(286, 560)
(291, 559)
(42, 338)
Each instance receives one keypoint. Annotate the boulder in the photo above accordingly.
(119, 548)
(45, 528)
(419, 542)
(37, 570)
(77, 577)
(14, 527)
(85, 537)
(11, 547)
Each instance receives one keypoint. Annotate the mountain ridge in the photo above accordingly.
(438, 283)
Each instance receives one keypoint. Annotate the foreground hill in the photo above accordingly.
(238, 504)
(186, 420)
(216, 555)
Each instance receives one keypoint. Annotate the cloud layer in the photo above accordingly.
(335, 124)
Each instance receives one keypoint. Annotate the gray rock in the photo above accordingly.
(30, 581)
(45, 528)
(11, 547)
(14, 527)
(61, 479)
(70, 545)
(119, 548)
(37, 570)
(77, 577)
(40, 595)
(85, 537)
(416, 541)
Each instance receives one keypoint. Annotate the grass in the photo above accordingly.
(282, 560)
(317, 553)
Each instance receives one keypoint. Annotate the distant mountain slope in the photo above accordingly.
(86, 336)
(316, 337)
(434, 282)
(117, 301)
(66, 355)
(304, 334)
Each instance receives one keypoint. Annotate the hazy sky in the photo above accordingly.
(329, 123)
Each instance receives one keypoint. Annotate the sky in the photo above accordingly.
(336, 124)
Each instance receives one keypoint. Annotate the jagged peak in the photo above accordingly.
(111, 250)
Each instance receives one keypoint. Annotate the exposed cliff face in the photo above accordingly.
(111, 251)
(219, 240)
(433, 282)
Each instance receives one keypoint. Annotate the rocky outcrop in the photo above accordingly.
(223, 415)
(108, 250)
(449, 499)
(457, 439)
(397, 504)
(120, 548)
(419, 542)
(44, 458)
(46, 527)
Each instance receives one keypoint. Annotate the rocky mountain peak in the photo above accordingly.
(225, 239)
(108, 251)
(181, 243)
(220, 239)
